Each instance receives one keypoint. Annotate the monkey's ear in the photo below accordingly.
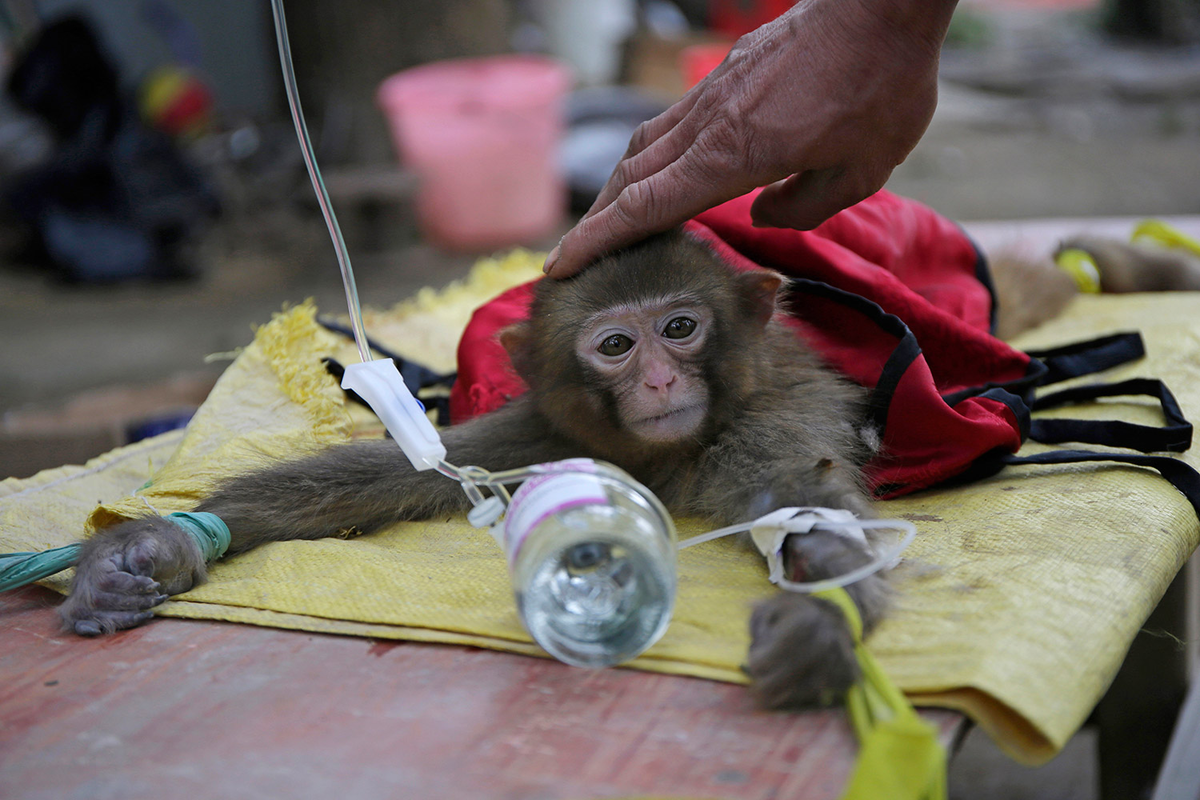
(759, 289)
(517, 339)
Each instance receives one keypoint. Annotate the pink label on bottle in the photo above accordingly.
(572, 483)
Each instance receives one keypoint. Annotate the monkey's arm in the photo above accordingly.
(801, 442)
(125, 571)
(789, 454)
(364, 486)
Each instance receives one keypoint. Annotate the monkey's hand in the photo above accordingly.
(124, 572)
(801, 653)
(801, 649)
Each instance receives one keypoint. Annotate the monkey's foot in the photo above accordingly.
(801, 653)
(125, 572)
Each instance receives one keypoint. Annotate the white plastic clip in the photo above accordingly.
(379, 383)
(770, 532)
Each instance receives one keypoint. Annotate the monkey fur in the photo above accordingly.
(658, 358)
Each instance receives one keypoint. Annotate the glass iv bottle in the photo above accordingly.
(592, 557)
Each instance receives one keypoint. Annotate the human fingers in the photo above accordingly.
(662, 136)
(649, 152)
(649, 158)
(679, 191)
(655, 144)
(654, 157)
(805, 200)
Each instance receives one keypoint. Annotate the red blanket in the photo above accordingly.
(893, 296)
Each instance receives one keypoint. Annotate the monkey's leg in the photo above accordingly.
(1028, 292)
(1032, 291)
(1126, 267)
(801, 651)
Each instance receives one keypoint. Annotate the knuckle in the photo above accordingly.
(623, 173)
(632, 205)
(643, 137)
(641, 206)
(719, 147)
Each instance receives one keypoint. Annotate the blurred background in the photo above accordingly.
(154, 204)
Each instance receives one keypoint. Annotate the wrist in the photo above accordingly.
(924, 20)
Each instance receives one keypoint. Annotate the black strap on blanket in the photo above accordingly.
(417, 377)
(1175, 436)
(1088, 357)
(1050, 366)
(1062, 363)
(1096, 355)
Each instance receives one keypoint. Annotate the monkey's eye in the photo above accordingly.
(615, 345)
(680, 328)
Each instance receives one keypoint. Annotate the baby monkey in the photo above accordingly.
(659, 358)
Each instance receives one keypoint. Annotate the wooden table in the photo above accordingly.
(205, 709)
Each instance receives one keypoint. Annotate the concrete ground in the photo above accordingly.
(979, 771)
(1046, 120)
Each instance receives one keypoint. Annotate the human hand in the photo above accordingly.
(819, 106)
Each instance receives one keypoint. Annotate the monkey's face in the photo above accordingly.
(649, 352)
(646, 358)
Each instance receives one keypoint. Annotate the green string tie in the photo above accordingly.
(22, 569)
(899, 755)
(209, 531)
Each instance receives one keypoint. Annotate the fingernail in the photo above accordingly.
(551, 259)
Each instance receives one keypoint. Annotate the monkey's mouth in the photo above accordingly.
(675, 424)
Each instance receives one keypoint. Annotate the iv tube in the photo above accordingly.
(314, 172)
(339, 244)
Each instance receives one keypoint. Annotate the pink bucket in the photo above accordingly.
(482, 137)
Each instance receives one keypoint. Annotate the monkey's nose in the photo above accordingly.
(661, 384)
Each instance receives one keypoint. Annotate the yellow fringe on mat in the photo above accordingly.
(276, 401)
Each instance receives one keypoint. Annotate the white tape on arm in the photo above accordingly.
(771, 531)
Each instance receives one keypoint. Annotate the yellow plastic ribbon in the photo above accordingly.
(899, 755)
(1161, 233)
(1080, 265)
